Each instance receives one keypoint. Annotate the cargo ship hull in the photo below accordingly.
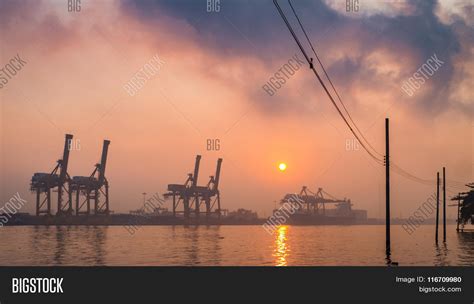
(315, 219)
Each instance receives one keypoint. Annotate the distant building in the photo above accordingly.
(242, 214)
(360, 215)
(155, 212)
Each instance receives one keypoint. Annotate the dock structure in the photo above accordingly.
(192, 197)
(92, 188)
(44, 183)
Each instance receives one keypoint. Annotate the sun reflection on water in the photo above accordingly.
(282, 249)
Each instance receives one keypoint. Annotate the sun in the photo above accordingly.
(282, 167)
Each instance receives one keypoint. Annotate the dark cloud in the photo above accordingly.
(254, 28)
(14, 12)
(242, 24)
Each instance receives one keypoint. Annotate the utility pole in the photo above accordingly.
(444, 204)
(437, 205)
(387, 188)
(459, 205)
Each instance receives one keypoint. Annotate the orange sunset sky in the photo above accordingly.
(210, 86)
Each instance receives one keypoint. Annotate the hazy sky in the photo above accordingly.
(210, 86)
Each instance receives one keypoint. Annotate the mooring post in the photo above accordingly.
(387, 188)
(459, 205)
(444, 204)
(437, 206)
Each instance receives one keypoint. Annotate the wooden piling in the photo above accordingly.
(437, 207)
(444, 204)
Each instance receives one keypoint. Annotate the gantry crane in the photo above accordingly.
(44, 183)
(315, 203)
(206, 193)
(192, 196)
(182, 192)
(92, 187)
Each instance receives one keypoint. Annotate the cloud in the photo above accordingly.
(351, 48)
(452, 11)
(374, 52)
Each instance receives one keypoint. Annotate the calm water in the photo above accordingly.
(229, 245)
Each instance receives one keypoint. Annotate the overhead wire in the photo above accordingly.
(397, 169)
(329, 79)
(449, 183)
(290, 28)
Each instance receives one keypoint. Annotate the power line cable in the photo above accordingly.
(330, 81)
(394, 167)
(275, 2)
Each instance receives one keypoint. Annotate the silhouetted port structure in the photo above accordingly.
(465, 206)
(315, 202)
(192, 197)
(59, 179)
(92, 188)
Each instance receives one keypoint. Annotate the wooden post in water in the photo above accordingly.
(459, 205)
(387, 188)
(437, 206)
(444, 204)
